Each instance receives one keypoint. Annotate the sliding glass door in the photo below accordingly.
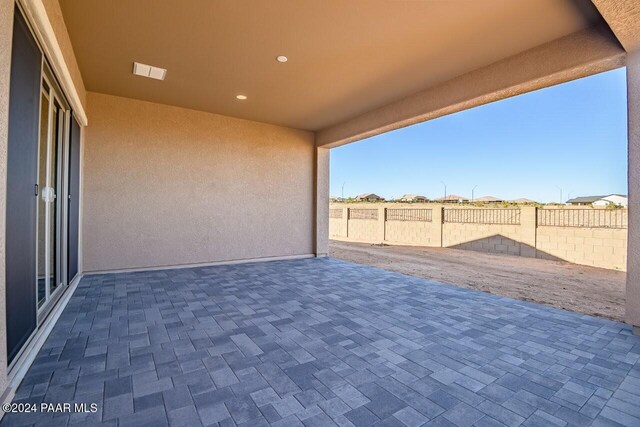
(22, 180)
(42, 207)
(40, 195)
(53, 144)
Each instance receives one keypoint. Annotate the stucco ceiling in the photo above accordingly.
(346, 57)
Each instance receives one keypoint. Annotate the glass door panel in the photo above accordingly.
(42, 211)
(54, 191)
(53, 142)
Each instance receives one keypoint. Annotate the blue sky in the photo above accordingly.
(572, 136)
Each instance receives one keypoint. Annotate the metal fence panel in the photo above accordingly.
(587, 218)
(409, 215)
(363, 213)
(483, 216)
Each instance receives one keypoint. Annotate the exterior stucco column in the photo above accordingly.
(382, 224)
(322, 202)
(528, 224)
(437, 216)
(345, 221)
(633, 241)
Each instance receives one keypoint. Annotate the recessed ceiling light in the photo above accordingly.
(241, 97)
(282, 58)
(150, 71)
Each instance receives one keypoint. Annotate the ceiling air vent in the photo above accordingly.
(150, 71)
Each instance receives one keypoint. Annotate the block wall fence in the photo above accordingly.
(587, 236)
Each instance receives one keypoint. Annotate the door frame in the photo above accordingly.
(54, 96)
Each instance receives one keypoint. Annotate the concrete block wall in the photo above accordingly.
(598, 247)
(337, 222)
(605, 247)
(337, 228)
(493, 238)
(363, 230)
(418, 233)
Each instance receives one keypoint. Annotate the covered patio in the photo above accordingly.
(148, 148)
(325, 342)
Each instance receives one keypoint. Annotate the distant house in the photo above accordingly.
(413, 198)
(488, 199)
(522, 201)
(584, 201)
(452, 198)
(615, 199)
(611, 199)
(369, 197)
(336, 199)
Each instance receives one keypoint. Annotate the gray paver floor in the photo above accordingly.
(320, 342)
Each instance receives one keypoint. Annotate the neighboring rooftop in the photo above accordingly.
(369, 196)
(452, 198)
(487, 199)
(413, 198)
(592, 199)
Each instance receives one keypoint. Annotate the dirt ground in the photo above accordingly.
(583, 289)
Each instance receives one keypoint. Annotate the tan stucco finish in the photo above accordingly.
(168, 186)
(322, 201)
(633, 245)
(346, 57)
(54, 14)
(578, 55)
(623, 16)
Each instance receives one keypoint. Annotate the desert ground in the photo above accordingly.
(588, 290)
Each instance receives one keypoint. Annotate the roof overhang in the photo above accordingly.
(356, 68)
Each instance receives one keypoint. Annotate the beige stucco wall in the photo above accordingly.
(321, 195)
(168, 186)
(6, 31)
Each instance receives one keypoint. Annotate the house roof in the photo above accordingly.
(336, 70)
(585, 199)
(452, 197)
(523, 200)
(368, 196)
(591, 199)
(413, 196)
(487, 199)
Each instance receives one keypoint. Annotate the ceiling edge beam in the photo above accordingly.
(37, 16)
(577, 55)
(623, 16)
